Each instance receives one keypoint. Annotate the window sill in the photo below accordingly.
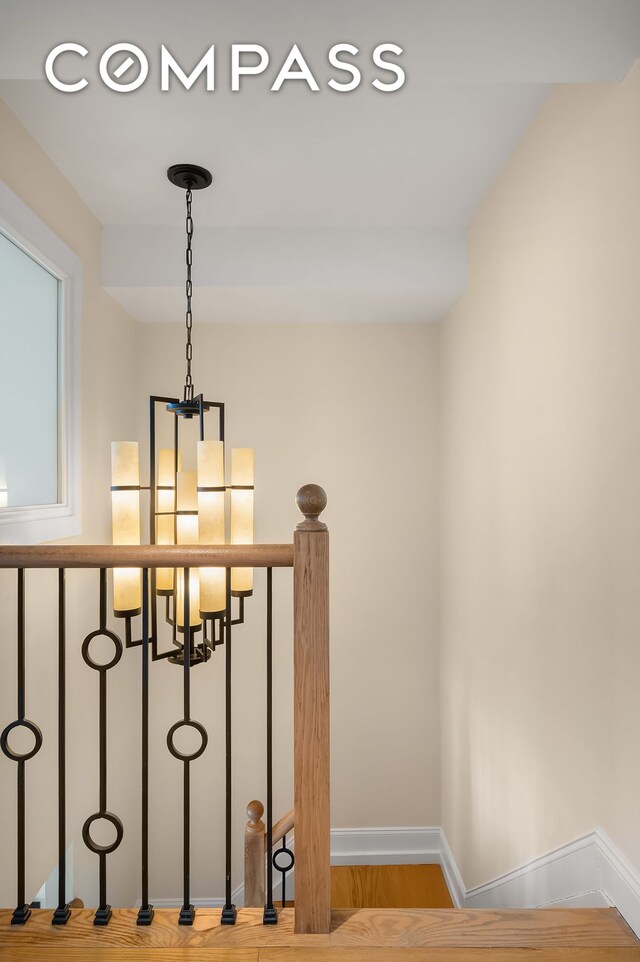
(38, 524)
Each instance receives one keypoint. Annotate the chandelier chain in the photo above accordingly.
(188, 384)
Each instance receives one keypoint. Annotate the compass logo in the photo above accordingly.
(124, 67)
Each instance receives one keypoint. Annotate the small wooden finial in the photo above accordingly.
(312, 500)
(255, 811)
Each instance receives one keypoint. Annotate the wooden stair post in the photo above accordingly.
(254, 856)
(311, 714)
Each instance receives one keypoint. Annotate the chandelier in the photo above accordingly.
(187, 499)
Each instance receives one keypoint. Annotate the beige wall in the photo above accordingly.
(540, 614)
(351, 407)
(107, 394)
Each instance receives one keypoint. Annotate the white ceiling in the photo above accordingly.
(419, 157)
(313, 191)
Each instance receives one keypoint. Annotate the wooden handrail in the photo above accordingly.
(281, 828)
(146, 556)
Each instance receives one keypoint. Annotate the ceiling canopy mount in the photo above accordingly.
(190, 176)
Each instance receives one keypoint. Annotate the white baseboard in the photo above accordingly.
(619, 879)
(451, 873)
(589, 872)
(385, 846)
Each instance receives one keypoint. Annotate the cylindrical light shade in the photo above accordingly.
(187, 493)
(187, 527)
(211, 493)
(125, 520)
(166, 506)
(242, 513)
(194, 599)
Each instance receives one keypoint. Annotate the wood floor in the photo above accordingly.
(426, 929)
(562, 954)
(357, 935)
(389, 887)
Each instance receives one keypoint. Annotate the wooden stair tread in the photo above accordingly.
(389, 886)
(360, 928)
(563, 954)
(481, 927)
(324, 954)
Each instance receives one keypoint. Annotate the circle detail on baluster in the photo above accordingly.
(94, 846)
(117, 644)
(37, 740)
(287, 854)
(187, 724)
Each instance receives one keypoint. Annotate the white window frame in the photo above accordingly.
(51, 522)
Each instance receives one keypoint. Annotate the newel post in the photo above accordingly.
(254, 856)
(311, 714)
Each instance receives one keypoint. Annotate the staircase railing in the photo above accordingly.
(259, 857)
(309, 558)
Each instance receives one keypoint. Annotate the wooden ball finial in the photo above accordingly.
(255, 811)
(312, 500)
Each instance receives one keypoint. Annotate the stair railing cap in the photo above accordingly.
(312, 500)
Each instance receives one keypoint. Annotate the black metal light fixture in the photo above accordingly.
(187, 506)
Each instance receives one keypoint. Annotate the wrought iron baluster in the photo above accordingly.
(228, 916)
(187, 912)
(22, 911)
(103, 913)
(270, 915)
(145, 913)
(63, 910)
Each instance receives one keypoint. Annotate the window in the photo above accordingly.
(40, 281)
